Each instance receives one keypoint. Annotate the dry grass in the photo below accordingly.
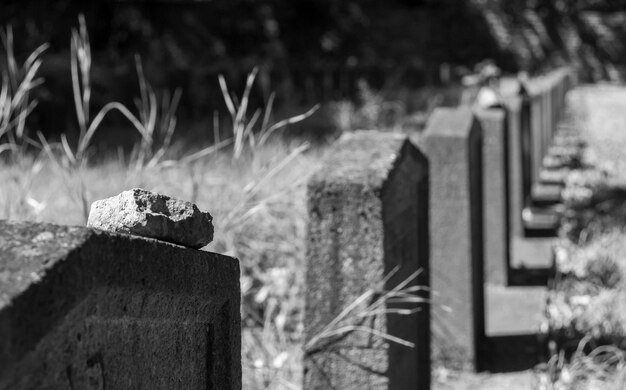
(589, 368)
(586, 309)
(258, 205)
(401, 110)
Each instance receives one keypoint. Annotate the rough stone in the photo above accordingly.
(86, 309)
(368, 215)
(147, 214)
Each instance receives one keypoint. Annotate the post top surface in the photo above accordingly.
(450, 122)
(513, 103)
(548, 81)
(493, 114)
(364, 157)
(27, 249)
(47, 272)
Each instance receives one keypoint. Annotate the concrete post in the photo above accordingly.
(452, 143)
(84, 309)
(368, 216)
(515, 174)
(536, 130)
(495, 193)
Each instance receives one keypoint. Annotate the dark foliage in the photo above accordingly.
(307, 50)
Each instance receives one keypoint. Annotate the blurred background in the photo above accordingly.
(309, 51)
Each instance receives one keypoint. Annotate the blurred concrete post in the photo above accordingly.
(547, 114)
(493, 122)
(515, 175)
(536, 130)
(556, 107)
(452, 143)
(368, 229)
(526, 133)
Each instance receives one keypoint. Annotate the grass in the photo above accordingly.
(400, 110)
(369, 305)
(601, 368)
(586, 310)
(589, 296)
(261, 222)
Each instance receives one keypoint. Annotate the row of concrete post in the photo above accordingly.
(445, 202)
(403, 231)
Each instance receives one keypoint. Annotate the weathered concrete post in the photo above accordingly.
(368, 216)
(537, 126)
(547, 113)
(526, 133)
(554, 98)
(85, 309)
(495, 193)
(452, 143)
(515, 175)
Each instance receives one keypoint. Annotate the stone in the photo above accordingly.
(147, 214)
(368, 215)
(85, 309)
(452, 143)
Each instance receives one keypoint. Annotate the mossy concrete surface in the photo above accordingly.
(368, 229)
(84, 309)
(495, 193)
(452, 143)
